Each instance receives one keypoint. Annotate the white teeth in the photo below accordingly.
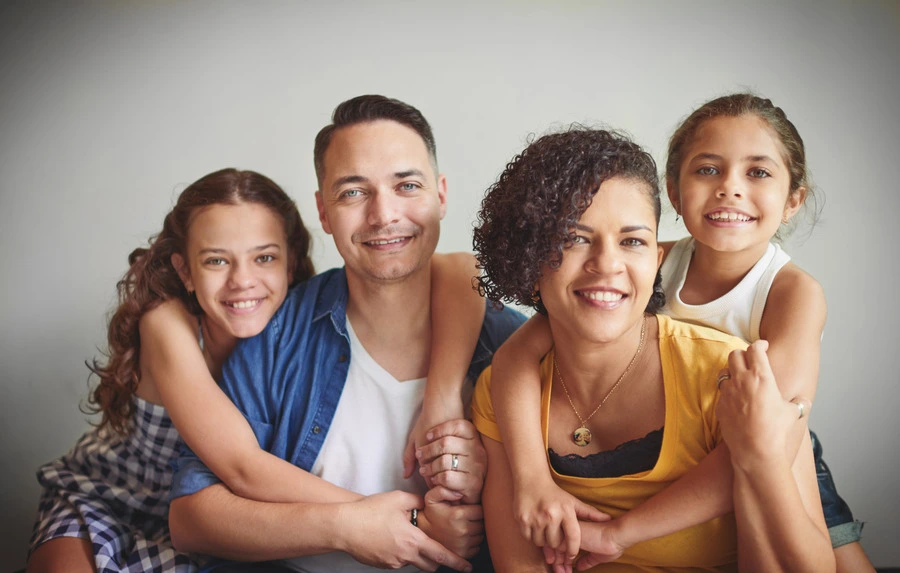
(244, 303)
(721, 216)
(605, 296)
(386, 242)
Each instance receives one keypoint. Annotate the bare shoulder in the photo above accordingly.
(795, 294)
(168, 315)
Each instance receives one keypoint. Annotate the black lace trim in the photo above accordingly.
(631, 457)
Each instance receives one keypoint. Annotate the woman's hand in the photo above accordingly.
(754, 418)
(601, 542)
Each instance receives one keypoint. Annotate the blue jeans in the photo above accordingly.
(842, 527)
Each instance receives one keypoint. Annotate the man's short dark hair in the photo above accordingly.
(366, 108)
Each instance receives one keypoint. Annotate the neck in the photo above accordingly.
(591, 369)
(393, 321)
(217, 346)
(722, 271)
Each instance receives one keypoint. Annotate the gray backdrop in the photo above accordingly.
(108, 109)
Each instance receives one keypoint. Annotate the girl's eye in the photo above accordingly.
(265, 258)
(759, 173)
(632, 242)
(707, 170)
(215, 261)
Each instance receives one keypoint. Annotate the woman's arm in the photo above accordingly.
(509, 550)
(457, 312)
(777, 508)
(210, 423)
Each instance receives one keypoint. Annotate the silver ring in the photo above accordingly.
(722, 378)
(801, 409)
(414, 517)
(454, 463)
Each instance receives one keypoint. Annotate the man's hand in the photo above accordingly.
(454, 458)
(459, 527)
(379, 533)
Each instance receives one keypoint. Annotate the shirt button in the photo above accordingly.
(316, 429)
(342, 358)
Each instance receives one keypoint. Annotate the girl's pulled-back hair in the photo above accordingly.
(527, 216)
(151, 279)
(736, 105)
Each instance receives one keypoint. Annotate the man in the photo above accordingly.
(321, 385)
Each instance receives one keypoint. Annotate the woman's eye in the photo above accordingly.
(633, 243)
(707, 170)
(579, 240)
(759, 173)
(265, 259)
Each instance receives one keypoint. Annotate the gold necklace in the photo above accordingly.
(582, 435)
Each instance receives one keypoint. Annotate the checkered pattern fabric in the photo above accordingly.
(113, 491)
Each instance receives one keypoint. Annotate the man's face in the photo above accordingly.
(381, 200)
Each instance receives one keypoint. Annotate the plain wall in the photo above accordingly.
(108, 109)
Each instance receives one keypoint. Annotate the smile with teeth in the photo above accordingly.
(244, 304)
(380, 242)
(723, 216)
(602, 295)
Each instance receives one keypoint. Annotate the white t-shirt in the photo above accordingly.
(363, 450)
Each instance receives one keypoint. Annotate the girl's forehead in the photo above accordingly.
(746, 135)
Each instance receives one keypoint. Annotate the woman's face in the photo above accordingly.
(606, 277)
(237, 264)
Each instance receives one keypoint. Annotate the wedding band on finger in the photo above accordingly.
(801, 409)
(454, 463)
(722, 378)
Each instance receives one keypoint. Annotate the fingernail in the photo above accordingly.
(429, 436)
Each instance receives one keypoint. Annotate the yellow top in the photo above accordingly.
(691, 358)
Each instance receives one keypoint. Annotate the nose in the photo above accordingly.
(241, 276)
(382, 209)
(604, 259)
(732, 185)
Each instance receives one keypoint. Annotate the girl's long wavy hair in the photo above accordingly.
(151, 279)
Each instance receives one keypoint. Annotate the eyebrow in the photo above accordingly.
(747, 158)
(408, 173)
(626, 229)
(215, 251)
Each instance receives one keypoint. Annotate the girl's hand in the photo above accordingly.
(548, 517)
(754, 418)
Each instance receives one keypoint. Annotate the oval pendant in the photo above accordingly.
(581, 436)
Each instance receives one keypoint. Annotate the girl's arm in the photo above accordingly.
(510, 551)
(457, 312)
(794, 319)
(547, 515)
(777, 509)
(210, 423)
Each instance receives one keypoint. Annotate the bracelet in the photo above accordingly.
(414, 517)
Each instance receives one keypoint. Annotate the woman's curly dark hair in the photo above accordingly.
(527, 216)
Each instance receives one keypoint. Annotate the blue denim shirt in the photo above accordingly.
(288, 379)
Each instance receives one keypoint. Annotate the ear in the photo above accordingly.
(674, 197)
(323, 217)
(660, 253)
(442, 193)
(183, 272)
(794, 202)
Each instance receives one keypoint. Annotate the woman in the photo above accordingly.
(628, 398)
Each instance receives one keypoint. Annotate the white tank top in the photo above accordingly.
(740, 310)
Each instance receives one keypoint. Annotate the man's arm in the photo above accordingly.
(375, 531)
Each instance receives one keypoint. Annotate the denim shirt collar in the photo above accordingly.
(332, 301)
